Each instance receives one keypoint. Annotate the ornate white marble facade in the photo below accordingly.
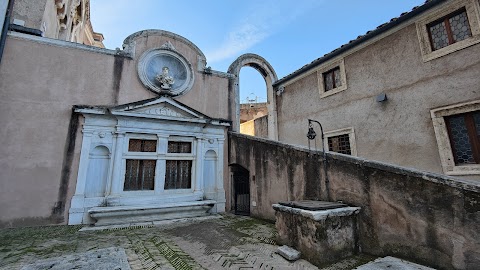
(104, 151)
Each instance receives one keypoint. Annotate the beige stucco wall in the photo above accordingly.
(40, 81)
(248, 128)
(400, 130)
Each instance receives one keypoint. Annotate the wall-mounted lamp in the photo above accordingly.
(311, 135)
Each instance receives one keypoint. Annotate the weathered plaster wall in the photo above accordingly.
(30, 11)
(399, 130)
(251, 111)
(256, 127)
(40, 81)
(209, 93)
(261, 126)
(428, 218)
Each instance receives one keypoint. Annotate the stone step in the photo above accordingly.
(113, 215)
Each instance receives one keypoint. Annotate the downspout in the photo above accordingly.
(6, 25)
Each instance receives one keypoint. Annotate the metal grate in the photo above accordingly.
(439, 36)
(139, 174)
(332, 79)
(460, 26)
(179, 147)
(452, 28)
(138, 145)
(464, 133)
(178, 174)
(340, 144)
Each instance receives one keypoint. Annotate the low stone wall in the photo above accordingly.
(331, 233)
(427, 218)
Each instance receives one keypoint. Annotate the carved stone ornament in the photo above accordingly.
(165, 72)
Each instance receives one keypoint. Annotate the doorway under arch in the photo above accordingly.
(241, 189)
(266, 70)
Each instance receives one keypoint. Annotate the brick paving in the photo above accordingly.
(220, 242)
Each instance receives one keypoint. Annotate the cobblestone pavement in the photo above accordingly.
(220, 242)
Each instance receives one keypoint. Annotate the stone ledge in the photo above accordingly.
(153, 212)
(67, 44)
(320, 214)
(288, 253)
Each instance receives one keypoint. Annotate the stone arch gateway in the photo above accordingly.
(266, 70)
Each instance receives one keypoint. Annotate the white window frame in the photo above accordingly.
(327, 67)
(443, 140)
(351, 136)
(472, 8)
(161, 156)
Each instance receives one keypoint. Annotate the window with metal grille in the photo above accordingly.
(340, 144)
(464, 133)
(332, 79)
(139, 174)
(450, 29)
(179, 147)
(139, 145)
(178, 174)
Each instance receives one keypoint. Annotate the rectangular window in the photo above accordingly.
(464, 133)
(178, 174)
(139, 174)
(138, 145)
(179, 147)
(332, 79)
(450, 29)
(340, 144)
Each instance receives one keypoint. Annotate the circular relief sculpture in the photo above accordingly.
(165, 72)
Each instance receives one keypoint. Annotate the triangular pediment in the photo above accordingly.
(162, 107)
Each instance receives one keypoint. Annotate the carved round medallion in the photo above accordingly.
(165, 72)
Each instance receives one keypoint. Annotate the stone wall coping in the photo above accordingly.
(465, 184)
(129, 42)
(320, 214)
(67, 44)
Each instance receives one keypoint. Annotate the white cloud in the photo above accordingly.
(263, 20)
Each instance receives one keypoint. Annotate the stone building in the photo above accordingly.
(253, 119)
(406, 93)
(113, 135)
(67, 20)
(89, 131)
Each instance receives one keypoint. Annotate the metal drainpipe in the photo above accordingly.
(6, 25)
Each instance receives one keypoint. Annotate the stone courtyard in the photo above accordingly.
(216, 242)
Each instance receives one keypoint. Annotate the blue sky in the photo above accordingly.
(287, 33)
